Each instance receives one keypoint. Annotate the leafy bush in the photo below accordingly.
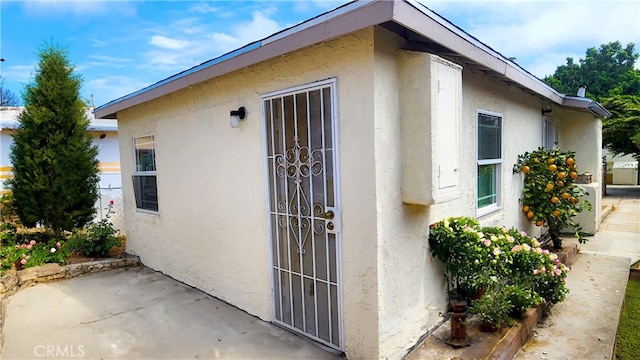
(98, 238)
(550, 196)
(506, 263)
(33, 253)
(493, 307)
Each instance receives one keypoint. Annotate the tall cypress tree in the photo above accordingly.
(54, 162)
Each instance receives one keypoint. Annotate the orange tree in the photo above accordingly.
(550, 196)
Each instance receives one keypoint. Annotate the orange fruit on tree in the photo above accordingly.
(556, 213)
(569, 161)
(525, 208)
(562, 175)
(549, 186)
(525, 169)
(539, 223)
(551, 161)
(565, 195)
(555, 199)
(530, 214)
(574, 200)
(553, 167)
(573, 175)
(559, 183)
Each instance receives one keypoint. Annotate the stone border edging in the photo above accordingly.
(13, 280)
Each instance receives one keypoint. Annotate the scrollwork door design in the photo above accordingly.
(303, 210)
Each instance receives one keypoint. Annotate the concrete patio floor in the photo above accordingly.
(137, 313)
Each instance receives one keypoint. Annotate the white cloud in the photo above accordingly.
(204, 8)
(102, 62)
(18, 73)
(168, 43)
(177, 55)
(77, 8)
(542, 34)
(224, 41)
(107, 88)
(259, 27)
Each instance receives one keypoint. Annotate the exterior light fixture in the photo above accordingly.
(237, 115)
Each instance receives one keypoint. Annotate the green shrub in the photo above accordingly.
(33, 253)
(505, 263)
(98, 238)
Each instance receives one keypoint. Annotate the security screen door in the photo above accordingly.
(304, 211)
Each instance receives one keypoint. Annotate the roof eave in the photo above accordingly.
(587, 104)
(349, 18)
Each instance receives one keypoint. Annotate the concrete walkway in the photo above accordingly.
(584, 325)
(138, 313)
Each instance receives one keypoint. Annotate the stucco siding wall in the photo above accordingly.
(211, 229)
(412, 292)
(409, 281)
(579, 132)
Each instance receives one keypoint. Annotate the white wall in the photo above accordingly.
(211, 228)
(411, 291)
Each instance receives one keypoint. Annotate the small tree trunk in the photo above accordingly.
(554, 233)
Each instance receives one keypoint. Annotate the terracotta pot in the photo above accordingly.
(486, 326)
(479, 293)
(458, 306)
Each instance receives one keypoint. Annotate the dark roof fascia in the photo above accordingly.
(343, 20)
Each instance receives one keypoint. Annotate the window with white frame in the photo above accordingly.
(489, 161)
(144, 176)
(549, 138)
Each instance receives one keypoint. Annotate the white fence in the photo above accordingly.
(106, 195)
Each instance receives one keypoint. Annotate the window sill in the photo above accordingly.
(148, 212)
(487, 210)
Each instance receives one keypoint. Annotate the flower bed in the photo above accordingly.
(22, 248)
(513, 270)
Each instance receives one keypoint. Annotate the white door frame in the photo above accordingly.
(333, 225)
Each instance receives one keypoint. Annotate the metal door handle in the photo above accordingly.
(328, 215)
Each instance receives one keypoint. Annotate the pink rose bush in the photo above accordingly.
(497, 260)
(31, 252)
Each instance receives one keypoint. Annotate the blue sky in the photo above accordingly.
(122, 46)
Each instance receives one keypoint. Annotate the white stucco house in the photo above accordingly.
(296, 177)
(105, 136)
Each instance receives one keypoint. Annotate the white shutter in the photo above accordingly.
(447, 93)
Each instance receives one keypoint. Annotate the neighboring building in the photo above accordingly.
(296, 177)
(621, 169)
(105, 136)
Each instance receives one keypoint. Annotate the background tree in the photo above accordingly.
(7, 97)
(610, 77)
(54, 161)
(622, 130)
(606, 71)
